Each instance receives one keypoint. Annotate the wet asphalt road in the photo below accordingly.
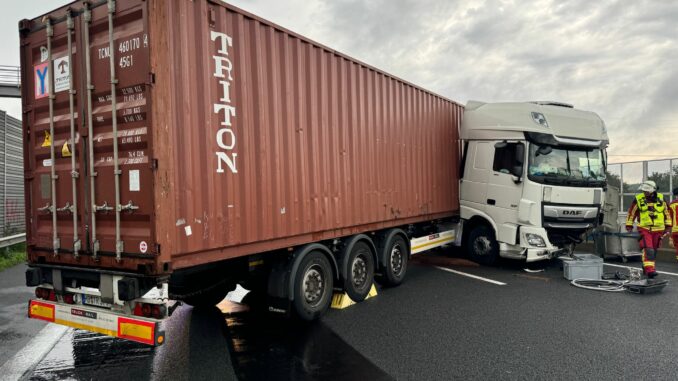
(15, 329)
(437, 325)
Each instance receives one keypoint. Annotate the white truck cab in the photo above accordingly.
(533, 177)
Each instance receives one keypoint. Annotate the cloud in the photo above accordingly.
(613, 57)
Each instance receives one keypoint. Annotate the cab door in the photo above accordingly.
(504, 188)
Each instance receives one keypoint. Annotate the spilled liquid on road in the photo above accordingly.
(272, 349)
(211, 344)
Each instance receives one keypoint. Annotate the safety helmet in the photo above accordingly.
(648, 186)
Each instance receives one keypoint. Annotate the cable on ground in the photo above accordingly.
(601, 285)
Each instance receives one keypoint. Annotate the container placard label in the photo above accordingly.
(62, 77)
(134, 182)
(41, 76)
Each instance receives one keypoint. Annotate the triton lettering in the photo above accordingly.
(223, 72)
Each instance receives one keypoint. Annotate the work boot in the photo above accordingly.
(652, 275)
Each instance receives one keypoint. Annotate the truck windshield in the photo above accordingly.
(567, 166)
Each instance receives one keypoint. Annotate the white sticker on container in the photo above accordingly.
(134, 183)
(47, 163)
(188, 230)
(143, 247)
(61, 74)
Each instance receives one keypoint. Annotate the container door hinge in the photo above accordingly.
(151, 78)
(154, 164)
(157, 248)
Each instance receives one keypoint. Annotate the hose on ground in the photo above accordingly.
(601, 285)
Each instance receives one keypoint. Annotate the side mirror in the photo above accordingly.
(544, 150)
(517, 174)
(520, 153)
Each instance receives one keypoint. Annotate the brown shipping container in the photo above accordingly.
(235, 136)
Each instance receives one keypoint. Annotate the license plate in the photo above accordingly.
(94, 301)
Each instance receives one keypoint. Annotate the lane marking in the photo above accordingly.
(31, 354)
(471, 276)
(631, 267)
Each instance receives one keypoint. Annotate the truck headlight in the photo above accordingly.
(535, 240)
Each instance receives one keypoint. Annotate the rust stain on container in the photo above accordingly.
(235, 136)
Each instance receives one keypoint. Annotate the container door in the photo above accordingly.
(119, 171)
(53, 144)
(90, 191)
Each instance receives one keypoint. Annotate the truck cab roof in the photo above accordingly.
(512, 120)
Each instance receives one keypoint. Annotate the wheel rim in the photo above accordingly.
(482, 246)
(396, 259)
(313, 286)
(359, 272)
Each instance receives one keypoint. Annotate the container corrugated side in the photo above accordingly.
(320, 145)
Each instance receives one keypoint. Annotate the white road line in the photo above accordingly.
(33, 352)
(631, 267)
(471, 276)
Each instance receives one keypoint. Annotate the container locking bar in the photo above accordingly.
(50, 70)
(128, 207)
(74, 173)
(87, 14)
(67, 208)
(47, 208)
(119, 244)
(103, 207)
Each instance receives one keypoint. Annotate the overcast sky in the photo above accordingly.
(618, 58)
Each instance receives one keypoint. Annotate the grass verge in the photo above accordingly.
(12, 255)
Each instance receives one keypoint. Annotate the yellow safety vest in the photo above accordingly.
(674, 213)
(651, 220)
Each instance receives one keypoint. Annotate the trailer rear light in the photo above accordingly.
(155, 311)
(69, 299)
(41, 293)
(45, 293)
(158, 311)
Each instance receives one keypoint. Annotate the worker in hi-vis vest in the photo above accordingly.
(654, 222)
(673, 211)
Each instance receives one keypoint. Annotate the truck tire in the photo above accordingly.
(313, 284)
(482, 247)
(360, 272)
(394, 256)
(210, 296)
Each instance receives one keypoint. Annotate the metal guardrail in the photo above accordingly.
(10, 81)
(12, 239)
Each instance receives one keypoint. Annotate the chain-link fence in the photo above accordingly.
(628, 176)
